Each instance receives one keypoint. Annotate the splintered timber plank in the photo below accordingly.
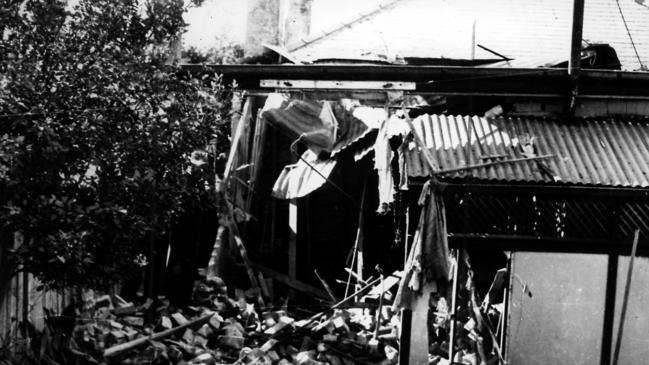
(389, 282)
(118, 349)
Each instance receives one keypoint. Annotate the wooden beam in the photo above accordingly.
(494, 163)
(446, 80)
(542, 190)
(336, 84)
(504, 242)
(118, 349)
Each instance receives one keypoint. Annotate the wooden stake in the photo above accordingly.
(625, 301)
(118, 349)
(326, 286)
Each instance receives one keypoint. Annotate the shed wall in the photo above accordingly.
(563, 320)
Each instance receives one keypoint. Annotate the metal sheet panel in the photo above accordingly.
(304, 177)
(591, 152)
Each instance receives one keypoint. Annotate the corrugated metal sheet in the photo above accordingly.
(592, 152)
(316, 121)
(304, 177)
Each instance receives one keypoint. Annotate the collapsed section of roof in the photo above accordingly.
(585, 152)
(326, 128)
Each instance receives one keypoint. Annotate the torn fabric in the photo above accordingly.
(403, 164)
(304, 177)
(428, 260)
(382, 163)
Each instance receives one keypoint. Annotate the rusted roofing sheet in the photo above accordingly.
(591, 152)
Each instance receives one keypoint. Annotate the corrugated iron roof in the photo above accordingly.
(591, 152)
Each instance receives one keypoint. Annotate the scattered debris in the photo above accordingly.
(221, 329)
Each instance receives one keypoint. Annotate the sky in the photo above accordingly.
(216, 21)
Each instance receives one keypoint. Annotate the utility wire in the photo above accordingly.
(294, 151)
(642, 66)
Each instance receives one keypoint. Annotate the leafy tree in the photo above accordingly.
(96, 135)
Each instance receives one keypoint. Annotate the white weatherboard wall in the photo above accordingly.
(562, 322)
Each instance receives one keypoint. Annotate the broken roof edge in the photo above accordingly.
(449, 80)
(366, 72)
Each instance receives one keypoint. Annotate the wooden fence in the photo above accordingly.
(20, 299)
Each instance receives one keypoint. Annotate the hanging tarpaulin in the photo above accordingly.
(428, 260)
(312, 122)
(304, 177)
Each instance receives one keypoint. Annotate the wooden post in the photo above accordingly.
(456, 282)
(404, 336)
(359, 239)
(625, 301)
(121, 348)
(418, 350)
(25, 306)
(406, 247)
(609, 309)
(292, 242)
(505, 314)
(574, 62)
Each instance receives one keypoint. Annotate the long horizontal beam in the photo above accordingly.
(544, 244)
(546, 190)
(447, 80)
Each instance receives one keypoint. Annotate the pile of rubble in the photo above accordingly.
(220, 329)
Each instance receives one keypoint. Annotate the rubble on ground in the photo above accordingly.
(220, 329)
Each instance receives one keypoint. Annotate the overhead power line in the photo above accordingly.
(628, 32)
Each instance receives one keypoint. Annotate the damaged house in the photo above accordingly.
(496, 183)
